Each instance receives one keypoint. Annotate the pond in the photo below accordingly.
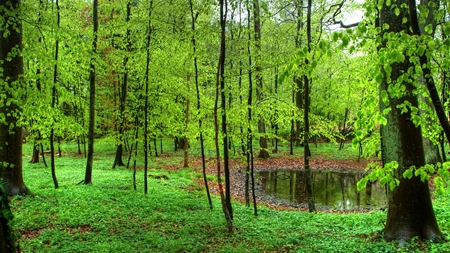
(331, 189)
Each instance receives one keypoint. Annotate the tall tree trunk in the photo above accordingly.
(263, 152)
(429, 80)
(118, 161)
(11, 63)
(410, 211)
(35, 155)
(250, 160)
(90, 153)
(226, 202)
(54, 94)
(307, 153)
(200, 123)
(147, 68)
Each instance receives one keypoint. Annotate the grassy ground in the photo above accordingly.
(109, 216)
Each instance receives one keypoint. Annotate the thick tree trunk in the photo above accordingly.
(12, 66)
(35, 155)
(410, 210)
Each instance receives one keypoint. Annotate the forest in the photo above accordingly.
(158, 105)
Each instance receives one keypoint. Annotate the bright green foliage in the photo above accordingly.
(385, 174)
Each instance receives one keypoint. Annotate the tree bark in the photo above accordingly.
(10, 85)
(147, 69)
(307, 153)
(263, 151)
(118, 161)
(410, 210)
(197, 90)
(90, 153)
(250, 156)
(54, 99)
(226, 202)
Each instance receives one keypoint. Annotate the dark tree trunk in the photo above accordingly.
(12, 65)
(35, 155)
(250, 158)
(307, 152)
(90, 153)
(202, 148)
(147, 68)
(118, 161)
(299, 89)
(220, 84)
(410, 210)
(54, 99)
(299, 95)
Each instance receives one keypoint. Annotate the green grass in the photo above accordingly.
(109, 216)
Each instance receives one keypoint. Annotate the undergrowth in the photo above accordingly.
(109, 216)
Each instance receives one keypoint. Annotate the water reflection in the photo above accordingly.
(332, 189)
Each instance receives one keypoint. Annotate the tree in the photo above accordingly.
(54, 98)
(263, 152)
(90, 154)
(410, 210)
(11, 96)
(123, 91)
(306, 82)
(220, 92)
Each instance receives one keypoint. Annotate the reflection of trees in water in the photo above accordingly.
(333, 189)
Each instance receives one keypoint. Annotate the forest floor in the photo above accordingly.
(174, 216)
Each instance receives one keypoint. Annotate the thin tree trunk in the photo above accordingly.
(123, 93)
(341, 145)
(202, 148)
(219, 91)
(429, 80)
(90, 153)
(147, 68)
(250, 162)
(54, 94)
(307, 153)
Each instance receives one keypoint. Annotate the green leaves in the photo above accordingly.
(385, 175)
(446, 28)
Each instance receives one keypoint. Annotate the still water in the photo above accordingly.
(331, 189)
